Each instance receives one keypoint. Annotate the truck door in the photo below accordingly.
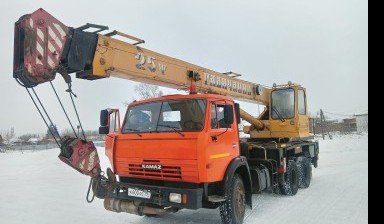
(223, 144)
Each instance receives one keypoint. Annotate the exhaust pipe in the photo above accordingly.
(116, 205)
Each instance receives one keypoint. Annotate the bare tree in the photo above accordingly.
(68, 132)
(2, 149)
(7, 136)
(146, 91)
(52, 130)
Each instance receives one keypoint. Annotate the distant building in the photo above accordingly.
(349, 125)
(362, 122)
(34, 141)
(16, 141)
(345, 125)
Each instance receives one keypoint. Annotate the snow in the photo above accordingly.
(38, 188)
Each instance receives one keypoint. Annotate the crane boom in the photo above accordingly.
(120, 59)
(44, 46)
(50, 47)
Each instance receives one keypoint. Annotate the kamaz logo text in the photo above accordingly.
(151, 167)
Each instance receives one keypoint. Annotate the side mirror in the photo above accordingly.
(104, 115)
(103, 130)
(228, 114)
(104, 124)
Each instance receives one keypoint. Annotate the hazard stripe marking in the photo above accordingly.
(51, 62)
(39, 48)
(54, 37)
(51, 47)
(61, 31)
(40, 34)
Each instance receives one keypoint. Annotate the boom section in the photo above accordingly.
(120, 59)
(44, 46)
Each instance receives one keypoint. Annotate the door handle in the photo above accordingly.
(234, 145)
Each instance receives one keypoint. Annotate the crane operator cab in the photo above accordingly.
(287, 115)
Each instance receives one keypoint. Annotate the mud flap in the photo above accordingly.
(81, 156)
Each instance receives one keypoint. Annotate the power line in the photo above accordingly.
(344, 115)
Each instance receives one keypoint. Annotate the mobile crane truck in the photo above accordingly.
(178, 151)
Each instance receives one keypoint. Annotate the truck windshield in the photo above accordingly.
(166, 116)
(283, 104)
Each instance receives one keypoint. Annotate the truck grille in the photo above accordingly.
(169, 172)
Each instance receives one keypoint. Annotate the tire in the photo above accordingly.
(291, 185)
(305, 172)
(232, 211)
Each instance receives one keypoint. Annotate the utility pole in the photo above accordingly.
(314, 125)
(322, 123)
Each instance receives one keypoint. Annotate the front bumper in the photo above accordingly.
(160, 195)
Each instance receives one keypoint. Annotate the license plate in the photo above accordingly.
(139, 193)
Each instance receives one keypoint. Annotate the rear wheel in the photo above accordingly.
(291, 185)
(305, 172)
(232, 211)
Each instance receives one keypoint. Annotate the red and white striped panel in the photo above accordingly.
(51, 36)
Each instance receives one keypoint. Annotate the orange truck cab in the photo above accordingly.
(173, 144)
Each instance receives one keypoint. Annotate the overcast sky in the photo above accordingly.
(322, 45)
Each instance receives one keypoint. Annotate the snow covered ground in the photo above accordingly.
(35, 187)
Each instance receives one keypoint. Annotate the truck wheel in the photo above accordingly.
(291, 185)
(305, 172)
(232, 211)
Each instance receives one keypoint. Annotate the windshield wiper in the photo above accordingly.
(171, 127)
(278, 114)
(134, 131)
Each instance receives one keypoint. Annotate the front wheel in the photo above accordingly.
(232, 211)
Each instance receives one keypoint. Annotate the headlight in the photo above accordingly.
(175, 198)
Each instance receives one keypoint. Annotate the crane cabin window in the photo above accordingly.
(166, 116)
(283, 104)
(302, 104)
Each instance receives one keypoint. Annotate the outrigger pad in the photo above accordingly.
(80, 155)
